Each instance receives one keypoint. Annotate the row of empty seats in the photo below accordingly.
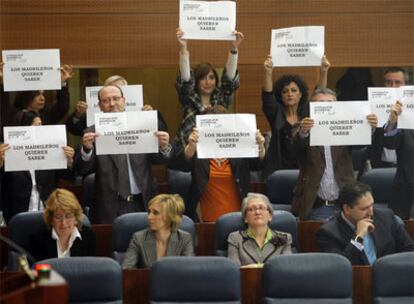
(299, 278)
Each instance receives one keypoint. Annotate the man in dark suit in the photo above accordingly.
(380, 155)
(322, 169)
(361, 233)
(123, 183)
(403, 141)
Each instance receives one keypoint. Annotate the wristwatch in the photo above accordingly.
(359, 239)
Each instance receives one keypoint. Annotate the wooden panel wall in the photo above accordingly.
(141, 34)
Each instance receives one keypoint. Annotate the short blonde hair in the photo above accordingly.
(172, 209)
(114, 78)
(62, 199)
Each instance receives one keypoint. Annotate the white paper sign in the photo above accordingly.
(133, 100)
(31, 70)
(206, 20)
(340, 123)
(381, 100)
(126, 132)
(298, 46)
(226, 136)
(406, 118)
(35, 148)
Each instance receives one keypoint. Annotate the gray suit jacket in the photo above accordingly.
(107, 207)
(142, 250)
(244, 250)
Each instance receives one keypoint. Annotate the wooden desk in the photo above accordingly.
(16, 287)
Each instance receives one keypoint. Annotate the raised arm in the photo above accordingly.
(184, 56)
(323, 79)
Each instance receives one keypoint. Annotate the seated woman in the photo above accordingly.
(27, 190)
(64, 235)
(255, 245)
(162, 237)
(285, 104)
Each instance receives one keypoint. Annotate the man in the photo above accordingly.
(76, 122)
(403, 141)
(322, 169)
(380, 156)
(361, 233)
(123, 183)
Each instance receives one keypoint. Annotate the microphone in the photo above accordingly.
(17, 247)
(24, 264)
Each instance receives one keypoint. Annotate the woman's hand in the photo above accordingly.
(325, 64)
(191, 147)
(182, 43)
(306, 124)
(66, 72)
(260, 141)
(69, 153)
(235, 44)
(3, 148)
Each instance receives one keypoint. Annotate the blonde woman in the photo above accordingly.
(162, 237)
(64, 235)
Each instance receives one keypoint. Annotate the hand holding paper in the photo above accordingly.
(163, 139)
(81, 107)
(87, 141)
(66, 72)
(306, 124)
(235, 44)
(373, 120)
(69, 153)
(3, 148)
(181, 42)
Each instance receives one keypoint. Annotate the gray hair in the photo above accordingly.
(323, 91)
(251, 196)
(111, 79)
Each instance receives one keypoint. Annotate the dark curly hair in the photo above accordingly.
(285, 80)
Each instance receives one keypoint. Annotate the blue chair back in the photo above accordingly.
(307, 278)
(90, 279)
(279, 188)
(195, 280)
(381, 181)
(393, 278)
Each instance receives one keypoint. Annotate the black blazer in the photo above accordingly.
(17, 188)
(42, 246)
(389, 237)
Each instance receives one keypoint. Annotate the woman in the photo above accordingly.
(162, 237)
(255, 245)
(27, 190)
(199, 91)
(35, 101)
(285, 104)
(64, 235)
(218, 185)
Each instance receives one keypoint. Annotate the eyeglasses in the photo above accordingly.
(108, 100)
(61, 218)
(257, 208)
